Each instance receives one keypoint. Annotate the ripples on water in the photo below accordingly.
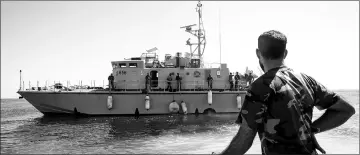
(25, 130)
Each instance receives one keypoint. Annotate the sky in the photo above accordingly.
(74, 41)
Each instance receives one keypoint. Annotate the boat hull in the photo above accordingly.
(126, 103)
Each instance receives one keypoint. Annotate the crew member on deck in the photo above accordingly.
(237, 79)
(250, 78)
(147, 82)
(178, 81)
(242, 82)
(231, 81)
(169, 79)
(111, 82)
(246, 75)
(210, 81)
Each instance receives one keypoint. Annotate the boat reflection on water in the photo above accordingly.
(125, 127)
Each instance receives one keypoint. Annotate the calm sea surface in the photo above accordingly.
(26, 130)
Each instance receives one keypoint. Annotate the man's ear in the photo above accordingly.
(258, 53)
(285, 53)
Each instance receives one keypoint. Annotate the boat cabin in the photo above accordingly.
(130, 74)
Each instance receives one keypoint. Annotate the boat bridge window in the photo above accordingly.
(149, 60)
(133, 65)
(122, 65)
(195, 63)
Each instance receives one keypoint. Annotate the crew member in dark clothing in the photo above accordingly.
(250, 78)
(237, 78)
(246, 76)
(231, 81)
(111, 82)
(169, 79)
(178, 81)
(210, 81)
(147, 81)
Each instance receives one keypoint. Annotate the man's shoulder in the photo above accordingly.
(264, 82)
(274, 81)
(297, 76)
(269, 82)
(274, 76)
(259, 90)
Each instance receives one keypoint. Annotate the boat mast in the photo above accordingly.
(199, 34)
(199, 31)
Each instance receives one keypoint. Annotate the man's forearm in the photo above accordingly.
(335, 116)
(331, 119)
(241, 142)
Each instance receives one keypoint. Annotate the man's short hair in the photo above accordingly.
(272, 44)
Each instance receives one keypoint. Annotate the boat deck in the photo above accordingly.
(87, 91)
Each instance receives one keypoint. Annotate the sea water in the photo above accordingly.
(26, 130)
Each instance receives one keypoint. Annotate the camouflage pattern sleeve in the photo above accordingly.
(252, 111)
(323, 97)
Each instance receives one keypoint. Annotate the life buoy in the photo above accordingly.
(109, 102)
(210, 97)
(174, 107)
(238, 100)
(197, 74)
(184, 108)
(147, 102)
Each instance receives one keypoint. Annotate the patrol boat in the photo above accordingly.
(132, 94)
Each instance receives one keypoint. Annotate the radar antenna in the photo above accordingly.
(199, 34)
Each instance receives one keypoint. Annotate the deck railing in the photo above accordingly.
(132, 85)
(65, 86)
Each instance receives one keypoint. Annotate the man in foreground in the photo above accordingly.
(279, 106)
